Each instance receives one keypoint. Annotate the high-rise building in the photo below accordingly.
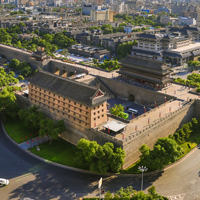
(101, 15)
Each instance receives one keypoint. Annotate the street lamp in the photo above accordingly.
(142, 169)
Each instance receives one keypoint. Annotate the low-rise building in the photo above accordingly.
(187, 21)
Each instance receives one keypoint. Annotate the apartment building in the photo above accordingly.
(174, 47)
(101, 15)
(75, 102)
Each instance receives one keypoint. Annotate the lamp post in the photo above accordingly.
(142, 169)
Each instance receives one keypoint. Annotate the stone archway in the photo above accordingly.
(71, 74)
(131, 98)
(56, 71)
(64, 73)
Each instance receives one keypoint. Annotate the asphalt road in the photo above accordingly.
(30, 177)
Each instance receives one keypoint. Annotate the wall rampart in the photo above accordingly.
(140, 94)
(161, 128)
(12, 52)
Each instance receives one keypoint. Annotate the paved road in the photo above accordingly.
(29, 177)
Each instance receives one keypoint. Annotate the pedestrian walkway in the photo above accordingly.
(33, 142)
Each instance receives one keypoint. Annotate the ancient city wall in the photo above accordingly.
(22, 101)
(141, 95)
(55, 65)
(11, 52)
(197, 109)
(161, 128)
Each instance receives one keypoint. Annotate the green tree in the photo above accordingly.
(117, 109)
(20, 78)
(7, 101)
(26, 71)
(14, 63)
(165, 151)
(28, 11)
(48, 126)
(36, 31)
(95, 61)
(99, 158)
(124, 49)
(108, 195)
(106, 26)
(31, 117)
(21, 24)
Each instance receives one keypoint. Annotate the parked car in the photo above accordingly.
(24, 85)
(4, 181)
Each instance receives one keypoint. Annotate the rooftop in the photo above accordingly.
(189, 47)
(71, 89)
(145, 63)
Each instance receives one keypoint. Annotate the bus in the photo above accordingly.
(132, 111)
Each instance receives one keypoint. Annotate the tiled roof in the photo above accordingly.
(149, 36)
(145, 63)
(146, 52)
(68, 88)
(173, 55)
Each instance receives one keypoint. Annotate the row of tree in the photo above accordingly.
(7, 95)
(192, 80)
(130, 194)
(110, 65)
(140, 20)
(37, 121)
(99, 158)
(24, 67)
(167, 150)
(51, 42)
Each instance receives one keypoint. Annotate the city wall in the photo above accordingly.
(11, 52)
(60, 68)
(22, 101)
(161, 128)
(197, 109)
(139, 94)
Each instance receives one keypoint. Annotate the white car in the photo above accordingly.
(4, 181)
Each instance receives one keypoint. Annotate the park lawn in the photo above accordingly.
(60, 151)
(133, 169)
(17, 130)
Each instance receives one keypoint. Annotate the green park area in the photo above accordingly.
(60, 151)
(17, 130)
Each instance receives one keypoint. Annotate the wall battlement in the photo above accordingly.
(158, 122)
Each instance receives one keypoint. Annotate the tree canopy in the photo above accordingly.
(99, 158)
(124, 49)
(165, 151)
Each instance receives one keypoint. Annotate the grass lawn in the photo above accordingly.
(17, 130)
(59, 151)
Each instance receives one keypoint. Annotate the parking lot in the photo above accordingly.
(127, 104)
(75, 58)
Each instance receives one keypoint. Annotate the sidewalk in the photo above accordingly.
(33, 142)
